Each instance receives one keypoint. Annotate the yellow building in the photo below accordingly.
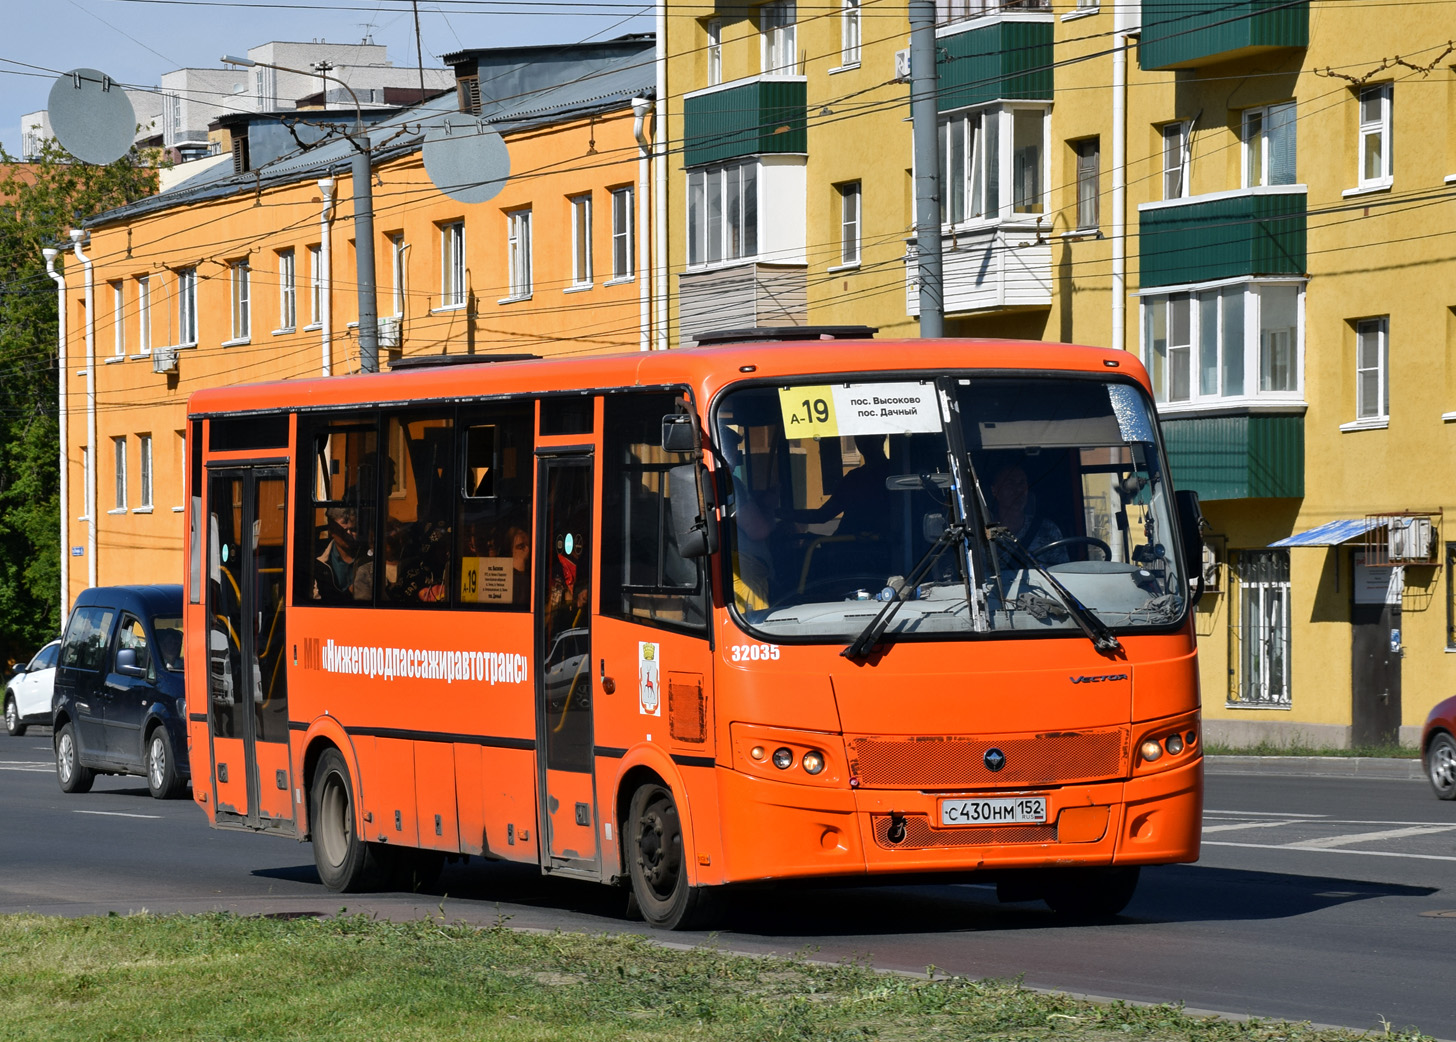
(1221, 188)
(248, 272)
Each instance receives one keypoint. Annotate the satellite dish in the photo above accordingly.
(91, 116)
(465, 158)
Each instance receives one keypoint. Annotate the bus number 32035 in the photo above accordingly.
(754, 652)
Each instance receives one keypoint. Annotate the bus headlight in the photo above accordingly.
(1174, 744)
(813, 762)
(783, 758)
(1151, 750)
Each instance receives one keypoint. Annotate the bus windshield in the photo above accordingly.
(977, 505)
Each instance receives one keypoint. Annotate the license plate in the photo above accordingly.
(1019, 810)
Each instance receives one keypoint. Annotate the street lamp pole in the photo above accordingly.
(363, 217)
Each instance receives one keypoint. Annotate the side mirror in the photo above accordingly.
(680, 433)
(691, 495)
(126, 663)
(1190, 531)
(18, 669)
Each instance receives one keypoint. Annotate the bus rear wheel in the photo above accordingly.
(656, 863)
(1090, 894)
(345, 861)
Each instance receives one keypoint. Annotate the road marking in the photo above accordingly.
(1331, 850)
(117, 814)
(26, 765)
(1259, 814)
(1366, 837)
(1248, 825)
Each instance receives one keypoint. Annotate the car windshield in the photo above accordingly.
(976, 505)
(168, 631)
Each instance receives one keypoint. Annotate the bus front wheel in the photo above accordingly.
(657, 866)
(1090, 893)
(345, 862)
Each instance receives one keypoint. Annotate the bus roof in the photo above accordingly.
(705, 369)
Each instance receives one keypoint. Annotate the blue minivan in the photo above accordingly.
(119, 705)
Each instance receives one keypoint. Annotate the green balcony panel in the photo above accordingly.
(1009, 60)
(768, 116)
(1237, 457)
(1184, 34)
(1233, 235)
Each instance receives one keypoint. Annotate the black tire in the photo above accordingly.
(13, 726)
(1441, 766)
(1090, 894)
(656, 864)
(69, 772)
(163, 780)
(345, 862)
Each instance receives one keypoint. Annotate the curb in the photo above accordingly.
(1318, 767)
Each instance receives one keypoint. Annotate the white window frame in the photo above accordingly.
(315, 287)
(452, 264)
(978, 153)
(118, 454)
(581, 240)
(144, 315)
(287, 291)
(118, 314)
(1177, 159)
(144, 444)
(86, 476)
(1264, 631)
(850, 36)
(1376, 130)
(397, 250)
(714, 30)
(720, 200)
(1372, 372)
(779, 53)
(624, 237)
(186, 306)
(240, 279)
(851, 222)
(1265, 129)
(1089, 183)
(1220, 351)
(518, 253)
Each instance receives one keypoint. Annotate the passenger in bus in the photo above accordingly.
(424, 564)
(364, 578)
(1013, 507)
(520, 543)
(860, 500)
(334, 569)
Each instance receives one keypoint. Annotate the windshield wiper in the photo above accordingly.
(1097, 632)
(869, 638)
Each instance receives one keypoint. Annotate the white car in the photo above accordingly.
(28, 694)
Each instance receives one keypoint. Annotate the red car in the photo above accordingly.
(1438, 748)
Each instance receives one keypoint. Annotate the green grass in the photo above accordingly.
(1297, 748)
(217, 977)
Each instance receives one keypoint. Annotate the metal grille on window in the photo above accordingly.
(1260, 629)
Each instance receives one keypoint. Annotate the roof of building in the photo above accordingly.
(604, 87)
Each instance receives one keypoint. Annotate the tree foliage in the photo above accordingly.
(40, 201)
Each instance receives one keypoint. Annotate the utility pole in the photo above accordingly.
(924, 117)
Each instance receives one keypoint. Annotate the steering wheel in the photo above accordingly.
(1070, 540)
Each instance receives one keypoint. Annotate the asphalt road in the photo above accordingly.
(1329, 899)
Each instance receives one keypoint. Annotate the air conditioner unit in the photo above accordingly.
(902, 66)
(164, 359)
(1411, 539)
(388, 332)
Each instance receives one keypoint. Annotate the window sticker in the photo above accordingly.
(649, 692)
(844, 410)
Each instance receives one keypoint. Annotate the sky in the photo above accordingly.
(136, 41)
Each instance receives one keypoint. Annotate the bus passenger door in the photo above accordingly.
(247, 674)
(563, 655)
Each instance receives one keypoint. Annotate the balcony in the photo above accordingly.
(1223, 235)
(1009, 59)
(1237, 457)
(999, 267)
(1185, 34)
(739, 296)
(762, 116)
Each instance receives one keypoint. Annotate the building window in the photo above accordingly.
(287, 290)
(1263, 629)
(1375, 136)
(86, 482)
(1089, 168)
(144, 314)
(715, 51)
(1451, 596)
(849, 221)
(315, 285)
(186, 305)
(452, 264)
(849, 32)
(1269, 146)
(118, 448)
(118, 318)
(581, 244)
(723, 213)
(518, 251)
(622, 234)
(1175, 160)
(780, 51)
(144, 443)
(242, 308)
(1201, 344)
(1372, 368)
(985, 150)
(397, 248)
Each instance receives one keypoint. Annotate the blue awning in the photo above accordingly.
(1332, 533)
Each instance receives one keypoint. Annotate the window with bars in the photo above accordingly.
(1259, 644)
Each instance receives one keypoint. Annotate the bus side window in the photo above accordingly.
(411, 567)
(493, 530)
(339, 519)
(644, 577)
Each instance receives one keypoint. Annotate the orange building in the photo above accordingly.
(247, 271)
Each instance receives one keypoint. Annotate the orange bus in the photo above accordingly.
(793, 604)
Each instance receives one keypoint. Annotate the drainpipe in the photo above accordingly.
(326, 307)
(62, 379)
(1119, 184)
(643, 262)
(659, 192)
(90, 477)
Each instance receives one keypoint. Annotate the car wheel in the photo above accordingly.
(13, 726)
(345, 861)
(1090, 894)
(72, 776)
(656, 865)
(163, 780)
(1441, 766)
